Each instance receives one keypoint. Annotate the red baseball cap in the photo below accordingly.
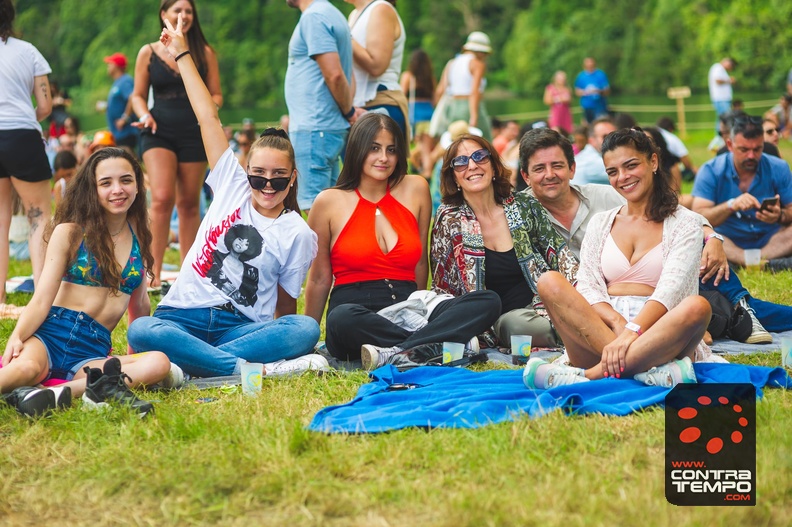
(119, 59)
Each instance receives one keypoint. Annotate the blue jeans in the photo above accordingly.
(774, 317)
(316, 154)
(211, 342)
(721, 107)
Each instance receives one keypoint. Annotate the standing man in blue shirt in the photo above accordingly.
(747, 197)
(119, 111)
(592, 86)
(318, 95)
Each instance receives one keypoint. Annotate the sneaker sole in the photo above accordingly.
(91, 405)
(369, 357)
(760, 339)
(63, 397)
(38, 404)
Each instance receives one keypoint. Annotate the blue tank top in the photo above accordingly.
(85, 271)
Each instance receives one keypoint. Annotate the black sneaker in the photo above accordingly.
(105, 388)
(779, 264)
(33, 402)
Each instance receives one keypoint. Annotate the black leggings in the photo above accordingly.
(352, 318)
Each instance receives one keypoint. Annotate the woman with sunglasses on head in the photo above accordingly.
(236, 295)
(636, 312)
(486, 237)
(170, 140)
(373, 229)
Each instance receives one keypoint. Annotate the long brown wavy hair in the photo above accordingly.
(420, 66)
(81, 206)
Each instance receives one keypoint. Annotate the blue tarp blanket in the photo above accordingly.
(458, 398)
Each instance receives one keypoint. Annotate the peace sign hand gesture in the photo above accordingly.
(173, 39)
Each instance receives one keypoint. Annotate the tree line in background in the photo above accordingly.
(645, 47)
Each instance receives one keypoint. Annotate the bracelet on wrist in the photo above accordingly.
(180, 55)
(144, 117)
(714, 235)
(350, 113)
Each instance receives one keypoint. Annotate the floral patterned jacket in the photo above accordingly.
(457, 252)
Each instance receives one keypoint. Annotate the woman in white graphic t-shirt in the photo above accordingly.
(236, 296)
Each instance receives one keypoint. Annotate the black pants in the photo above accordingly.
(352, 318)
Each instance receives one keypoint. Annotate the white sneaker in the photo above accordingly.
(669, 374)
(759, 334)
(373, 357)
(296, 366)
(541, 375)
(473, 347)
(174, 379)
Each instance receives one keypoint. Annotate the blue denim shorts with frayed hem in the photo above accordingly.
(72, 339)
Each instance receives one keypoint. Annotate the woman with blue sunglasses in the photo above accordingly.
(487, 237)
(236, 296)
(373, 228)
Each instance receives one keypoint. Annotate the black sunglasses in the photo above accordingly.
(480, 157)
(771, 130)
(260, 183)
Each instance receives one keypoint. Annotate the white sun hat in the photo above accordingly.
(456, 130)
(478, 41)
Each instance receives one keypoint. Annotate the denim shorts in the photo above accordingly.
(72, 339)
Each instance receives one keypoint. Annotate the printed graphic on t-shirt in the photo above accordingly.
(230, 272)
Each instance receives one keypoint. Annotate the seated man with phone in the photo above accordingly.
(747, 197)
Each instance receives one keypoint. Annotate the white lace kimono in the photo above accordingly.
(681, 247)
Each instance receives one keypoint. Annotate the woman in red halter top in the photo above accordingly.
(373, 229)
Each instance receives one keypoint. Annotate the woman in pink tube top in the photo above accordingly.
(636, 312)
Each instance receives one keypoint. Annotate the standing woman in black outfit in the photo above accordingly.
(171, 138)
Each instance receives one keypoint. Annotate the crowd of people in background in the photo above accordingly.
(620, 249)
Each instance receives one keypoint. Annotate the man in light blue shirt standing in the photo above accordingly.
(318, 95)
(592, 86)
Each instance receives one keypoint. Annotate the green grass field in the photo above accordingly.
(242, 461)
